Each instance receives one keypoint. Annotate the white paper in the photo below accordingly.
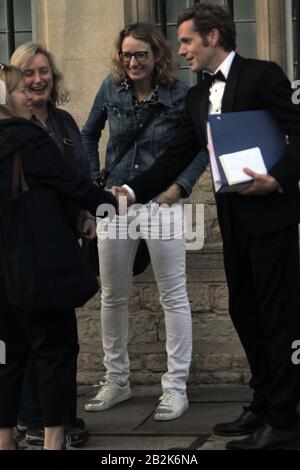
(233, 164)
(213, 162)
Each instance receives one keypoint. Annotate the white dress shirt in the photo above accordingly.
(217, 88)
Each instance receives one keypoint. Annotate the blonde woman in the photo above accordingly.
(45, 82)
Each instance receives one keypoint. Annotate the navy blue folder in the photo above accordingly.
(232, 132)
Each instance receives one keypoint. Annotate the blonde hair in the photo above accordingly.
(10, 76)
(25, 53)
(149, 34)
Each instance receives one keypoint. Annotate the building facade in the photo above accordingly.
(80, 33)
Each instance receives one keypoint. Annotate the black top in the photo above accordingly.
(45, 167)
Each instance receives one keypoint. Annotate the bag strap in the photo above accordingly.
(19, 183)
(16, 174)
(67, 141)
(142, 126)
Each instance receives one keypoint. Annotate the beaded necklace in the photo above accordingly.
(139, 107)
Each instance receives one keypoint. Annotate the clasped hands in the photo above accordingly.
(169, 197)
(124, 198)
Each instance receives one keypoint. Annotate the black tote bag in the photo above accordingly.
(142, 258)
(44, 267)
(90, 251)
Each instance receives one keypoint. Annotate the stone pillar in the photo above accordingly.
(138, 10)
(39, 20)
(81, 35)
(270, 31)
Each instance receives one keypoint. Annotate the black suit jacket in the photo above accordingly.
(251, 85)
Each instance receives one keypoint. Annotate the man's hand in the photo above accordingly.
(89, 228)
(118, 191)
(261, 184)
(170, 196)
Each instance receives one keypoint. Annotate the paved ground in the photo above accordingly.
(130, 425)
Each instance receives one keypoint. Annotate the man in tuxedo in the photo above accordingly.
(259, 225)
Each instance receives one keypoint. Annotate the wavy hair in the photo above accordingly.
(146, 32)
(10, 77)
(207, 17)
(25, 53)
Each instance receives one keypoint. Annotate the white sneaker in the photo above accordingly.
(173, 404)
(109, 395)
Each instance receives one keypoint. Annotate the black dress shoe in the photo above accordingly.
(267, 438)
(247, 423)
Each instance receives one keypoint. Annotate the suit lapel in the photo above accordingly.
(225, 213)
(201, 106)
(203, 109)
(231, 83)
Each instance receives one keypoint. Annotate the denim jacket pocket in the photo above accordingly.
(121, 120)
(164, 130)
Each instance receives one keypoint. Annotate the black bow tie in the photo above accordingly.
(210, 78)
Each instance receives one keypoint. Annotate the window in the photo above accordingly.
(20, 22)
(292, 38)
(166, 17)
(296, 38)
(243, 12)
(245, 21)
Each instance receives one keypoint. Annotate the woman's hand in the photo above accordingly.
(123, 197)
(89, 227)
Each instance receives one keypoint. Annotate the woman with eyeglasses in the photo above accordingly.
(142, 84)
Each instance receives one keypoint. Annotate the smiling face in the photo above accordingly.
(201, 53)
(138, 70)
(39, 79)
(20, 99)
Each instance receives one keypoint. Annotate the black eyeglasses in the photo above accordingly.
(140, 56)
(3, 67)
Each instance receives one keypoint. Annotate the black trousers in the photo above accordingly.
(52, 339)
(30, 413)
(263, 282)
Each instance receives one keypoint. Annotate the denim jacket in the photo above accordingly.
(114, 103)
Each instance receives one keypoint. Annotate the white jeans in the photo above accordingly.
(168, 263)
